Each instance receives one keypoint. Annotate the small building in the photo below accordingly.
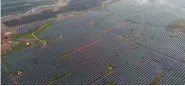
(27, 43)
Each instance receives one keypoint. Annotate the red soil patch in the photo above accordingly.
(107, 30)
(14, 80)
(179, 31)
(6, 44)
(84, 46)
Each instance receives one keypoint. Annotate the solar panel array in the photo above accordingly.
(138, 59)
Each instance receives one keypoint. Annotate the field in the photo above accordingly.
(30, 36)
(34, 32)
(177, 26)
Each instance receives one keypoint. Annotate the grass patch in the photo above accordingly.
(112, 82)
(26, 35)
(101, 8)
(180, 23)
(44, 27)
(169, 28)
(44, 39)
(110, 69)
(65, 54)
(156, 80)
(30, 34)
(35, 31)
(59, 78)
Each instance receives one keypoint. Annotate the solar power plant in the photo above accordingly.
(120, 42)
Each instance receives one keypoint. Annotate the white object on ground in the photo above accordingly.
(8, 33)
(10, 42)
(27, 43)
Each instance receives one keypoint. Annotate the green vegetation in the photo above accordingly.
(101, 8)
(30, 34)
(17, 47)
(126, 36)
(45, 26)
(65, 54)
(110, 14)
(33, 33)
(169, 28)
(112, 82)
(110, 69)
(78, 13)
(59, 78)
(180, 23)
(45, 39)
(26, 35)
(42, 28)
(156, 80)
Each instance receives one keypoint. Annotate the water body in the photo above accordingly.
(137, 60)
(72, 6)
